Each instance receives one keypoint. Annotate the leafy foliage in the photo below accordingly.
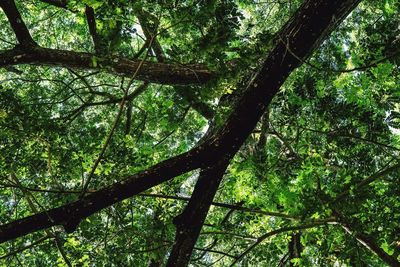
(325, 156)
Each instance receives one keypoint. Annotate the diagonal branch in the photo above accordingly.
(150, 71)
(314, 20)
(71, 214)
(204, 109)
(378, 175)
(190, 221)
(367, 241)
(25, 247)
(30, 200)
(17, 24)
(246, 115)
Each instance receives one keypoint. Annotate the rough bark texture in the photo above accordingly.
(304, 31)
(295, 42)
(71, 214)
(190, 221)
(91, 22)
(162, 73)
(28, 52)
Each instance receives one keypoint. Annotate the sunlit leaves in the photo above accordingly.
(334, 123)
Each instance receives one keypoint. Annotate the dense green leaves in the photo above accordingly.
(322, 164)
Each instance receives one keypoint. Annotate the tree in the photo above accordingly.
(205, 132)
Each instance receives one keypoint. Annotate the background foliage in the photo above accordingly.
(335, 122)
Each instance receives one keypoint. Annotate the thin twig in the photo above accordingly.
(228, 206)
(275, 232)
(361, 68)
(110, 134)
(18, 250)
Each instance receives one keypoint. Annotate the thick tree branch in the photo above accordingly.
(71, 214)
(314, 20)
(17, 24)
(190, 221)
(150, 71)
(91, 21)
(294, 248)
(205, 110)
(57, 3)
(367, 241)
(244, 118)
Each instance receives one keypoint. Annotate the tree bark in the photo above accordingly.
(314, 20)
(17, 24)
(163, 73)
(294, 248)
(190, 221)
(91, 22)
(306, 26)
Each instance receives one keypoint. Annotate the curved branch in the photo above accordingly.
(23, 248)
(71, 214)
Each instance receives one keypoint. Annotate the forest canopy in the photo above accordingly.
(199, 133)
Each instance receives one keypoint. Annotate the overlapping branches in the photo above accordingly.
(302, 33)
(28, 52)
(310, 25)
